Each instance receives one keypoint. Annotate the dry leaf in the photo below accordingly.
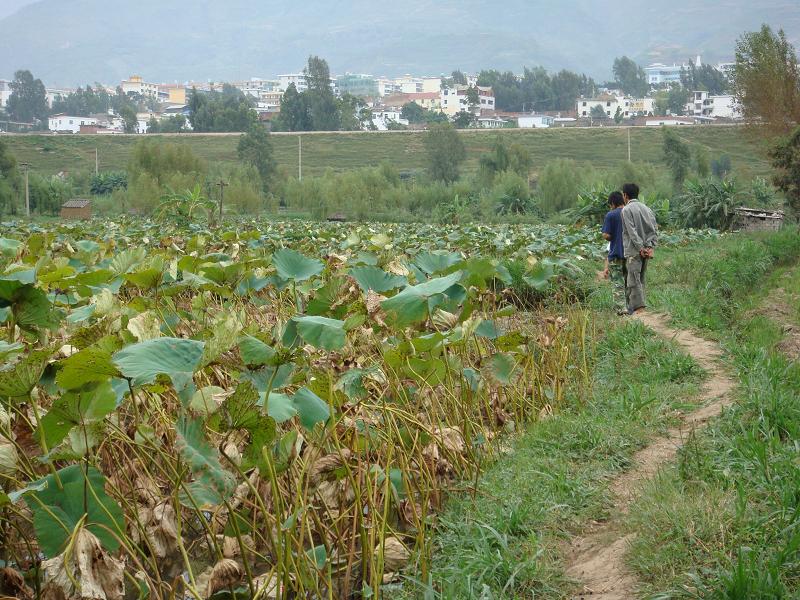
(13, 584)
(395, 554)
(225, 574)
(98, 574)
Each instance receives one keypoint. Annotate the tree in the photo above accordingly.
(706, 78)
(446, 152)
(10, 180)
(255, 148)
(766, 80)
(350, 110)
(322, 106)
(464, 119)
(677, 156)
(458, 78)
(226, 111)
(785, 157)
(413, 113)
(28, 100)
(676, 100)
(618, 116)
(630, 77)
(294, 115)
(536, 90)
(173, 124)
(598, 113)
(131, 122)
(473, 97)
(504, 157)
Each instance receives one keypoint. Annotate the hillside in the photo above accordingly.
(78, 41)
(600, 148)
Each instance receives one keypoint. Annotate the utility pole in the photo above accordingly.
(27, 167)
(629, 144)
(300, 157)
(222, 185)
(96, 163)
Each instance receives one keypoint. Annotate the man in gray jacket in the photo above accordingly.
(639, 237)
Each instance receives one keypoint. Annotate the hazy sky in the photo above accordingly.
(9, 6)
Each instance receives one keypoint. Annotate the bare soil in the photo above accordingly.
(596, 558)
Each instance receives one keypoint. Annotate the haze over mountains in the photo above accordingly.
(71, 42)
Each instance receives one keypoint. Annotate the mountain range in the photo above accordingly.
(71, 42)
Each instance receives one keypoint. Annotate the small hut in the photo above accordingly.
(77, 209)
(757, 219)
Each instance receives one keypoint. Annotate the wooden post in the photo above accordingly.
(222, 186)
(27, 167)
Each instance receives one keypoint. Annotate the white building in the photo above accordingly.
(491, 123)
(68, 124)
(454, 100)
(607, 102)
(536, 122)
(5, 92)
(659, 74)
(298, 79)
(383, 117)
(669, 121)
(642, 106)
(704, 104)
(137, 86)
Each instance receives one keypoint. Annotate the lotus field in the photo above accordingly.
(265, 410)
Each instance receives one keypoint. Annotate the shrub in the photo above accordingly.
(106, 182)
(708, 203)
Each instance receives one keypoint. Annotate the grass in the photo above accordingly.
(505, 542)
(599, 147)
(724, 521)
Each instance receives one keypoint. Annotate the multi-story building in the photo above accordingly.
(704, 104)
(362, 86)
(659, 74)
(137, 86)
(5, 92)
(642, 106)
(455, 99)
(607, 102)
(173, 93)
(298, 79)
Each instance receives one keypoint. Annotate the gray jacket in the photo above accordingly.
(639, 228)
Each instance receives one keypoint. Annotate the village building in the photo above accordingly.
(77, 209)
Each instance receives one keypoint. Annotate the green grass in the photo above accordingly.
(505, 542)
(724, 521)
(599, 147)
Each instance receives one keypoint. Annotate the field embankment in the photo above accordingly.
(599, 147)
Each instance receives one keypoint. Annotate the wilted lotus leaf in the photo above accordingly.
(98, 575)
(223, 575)
(395, 554)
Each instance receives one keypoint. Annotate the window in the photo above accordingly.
(70, 121)
(584, 103)
(608, 103)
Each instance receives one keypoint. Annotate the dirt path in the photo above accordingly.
(596, 559)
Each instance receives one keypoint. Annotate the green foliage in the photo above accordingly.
(48, 194)
(598, 113)
(511, 194)
(560, 183)
(505, 157)
(107, 181)
(176, 358)
(708, 203)
(255, 149)
(10, 180)
(62, 500)
(83, 102)
(184, 207)
(536, 90)
(173, 124)
(28, 100)
(464, 119)
(228, 110)
(766, 79)
(705, 77)
(786, 161)
(630, 77)
(677, 155)
(446, 152)
(721, 166)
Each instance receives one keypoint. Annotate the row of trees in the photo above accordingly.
(537, 90)
(317, 108)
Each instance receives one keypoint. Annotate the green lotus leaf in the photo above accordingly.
(177, 358)
(293, 265)
(377, 280)
(321, 332)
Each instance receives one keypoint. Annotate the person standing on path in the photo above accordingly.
(616, 270)
(640, 236)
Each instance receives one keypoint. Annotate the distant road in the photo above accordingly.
(397, 132)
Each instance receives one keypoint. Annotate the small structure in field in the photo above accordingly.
(337, 218)
(77, 209)
(757, 219)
